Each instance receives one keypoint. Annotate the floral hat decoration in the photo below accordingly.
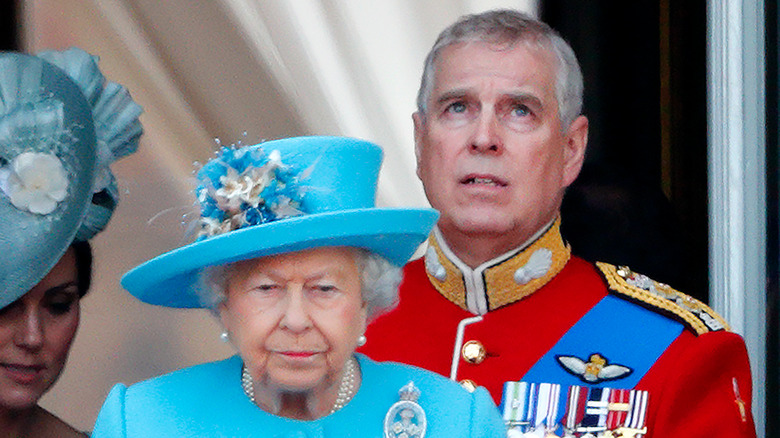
(277, 197)
(61, 125)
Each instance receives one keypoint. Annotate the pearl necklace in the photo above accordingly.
(347, 387)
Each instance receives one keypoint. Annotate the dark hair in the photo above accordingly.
(83, 253)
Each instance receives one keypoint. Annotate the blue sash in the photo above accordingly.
(622, 332)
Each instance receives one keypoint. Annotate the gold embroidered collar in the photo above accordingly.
(501, 281)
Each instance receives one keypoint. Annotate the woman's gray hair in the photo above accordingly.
(379, 282)
(509, 27)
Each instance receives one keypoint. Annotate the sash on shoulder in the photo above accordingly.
(611, 329)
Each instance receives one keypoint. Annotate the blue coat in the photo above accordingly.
(207, 400)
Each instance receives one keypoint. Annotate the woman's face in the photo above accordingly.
(36, 332)
(295, 318)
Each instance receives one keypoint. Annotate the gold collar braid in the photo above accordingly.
(501, 281)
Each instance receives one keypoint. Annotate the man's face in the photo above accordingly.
(491, 151)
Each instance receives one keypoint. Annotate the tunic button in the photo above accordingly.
(468, 384)
(473, 352)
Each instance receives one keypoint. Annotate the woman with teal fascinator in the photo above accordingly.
(295, 260)
(61, 126)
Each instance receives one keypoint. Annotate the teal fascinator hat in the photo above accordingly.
(277, 197)
(61, 126)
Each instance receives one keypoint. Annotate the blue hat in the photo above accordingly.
(277, 197)
(61, 125)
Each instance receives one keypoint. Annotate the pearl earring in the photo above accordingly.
(224, 337)
(361, 340)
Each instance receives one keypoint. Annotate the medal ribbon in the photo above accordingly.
(575, 407)
(530, 418)
(637, 415)
(527, 407)
(515, 404)
(618, 408)
(548, 396)
(596, 410)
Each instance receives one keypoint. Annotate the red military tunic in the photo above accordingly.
(700, 384)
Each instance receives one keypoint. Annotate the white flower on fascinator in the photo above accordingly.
(35, 182)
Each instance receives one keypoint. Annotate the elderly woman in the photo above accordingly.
(295, 260)
(61, 125)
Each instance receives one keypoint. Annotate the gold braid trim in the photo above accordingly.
(452, 288)
(696, 315)
(501, 287)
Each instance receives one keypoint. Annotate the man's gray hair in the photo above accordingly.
(509, 27)
(379, 281)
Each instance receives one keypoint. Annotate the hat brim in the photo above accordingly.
(171, 279)
(33, 243)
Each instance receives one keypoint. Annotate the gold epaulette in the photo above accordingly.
(694, 314)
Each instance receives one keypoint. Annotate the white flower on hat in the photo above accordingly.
(256, 181)
(247, 186)
(253, 189)
(36, 182)
(229, 195)
(211, 227)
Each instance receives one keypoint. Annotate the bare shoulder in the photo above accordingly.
(661, 298)
(48, 424)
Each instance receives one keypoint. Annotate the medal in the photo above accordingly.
(575, 409)
(405, 418)
(531, 409)
(546, 419)
(633, 424)
(594, 422)
(618, 408)
(515, 406)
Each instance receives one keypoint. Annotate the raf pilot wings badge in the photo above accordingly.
(595, 370)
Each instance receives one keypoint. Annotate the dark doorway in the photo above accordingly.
(772, 58)
(9, 28)
(641, 199)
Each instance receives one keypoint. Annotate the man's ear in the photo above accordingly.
(419, 121)
(574, 149)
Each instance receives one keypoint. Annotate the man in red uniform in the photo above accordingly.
(567, 348)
